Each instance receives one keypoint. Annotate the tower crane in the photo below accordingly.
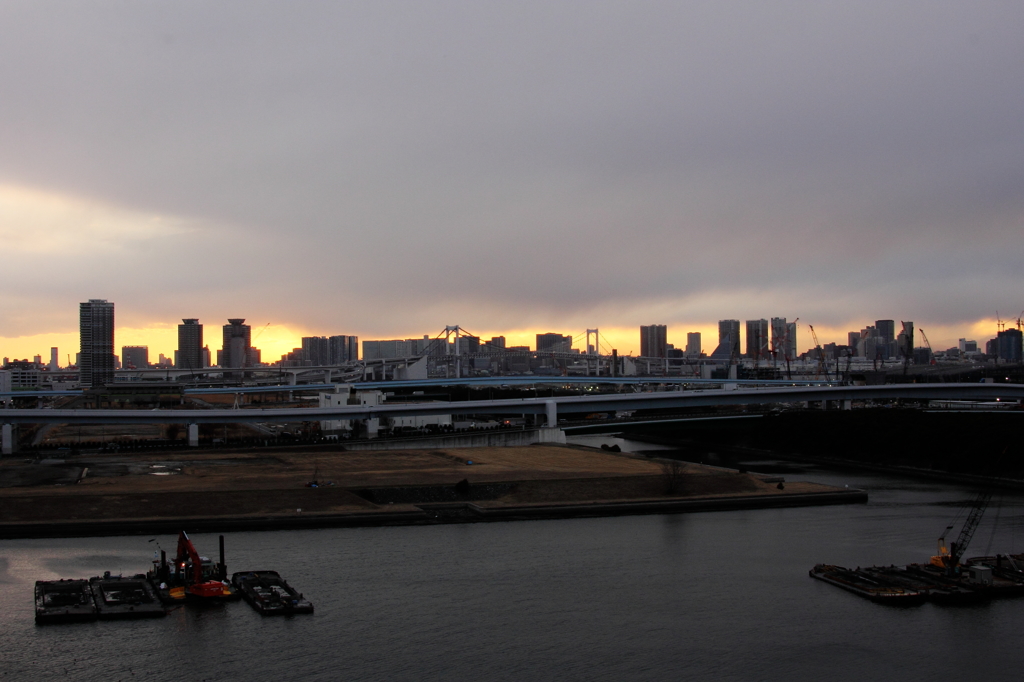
(822, 366)
(928, 345)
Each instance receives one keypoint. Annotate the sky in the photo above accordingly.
(384, 169)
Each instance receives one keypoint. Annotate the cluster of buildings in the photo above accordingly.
(776, 340)
(755, 341)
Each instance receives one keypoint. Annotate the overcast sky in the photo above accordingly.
(387, 168)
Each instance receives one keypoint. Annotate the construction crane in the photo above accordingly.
(928, 345)
(949, 557)
(822, 365)
(200, 574)
(262, 329)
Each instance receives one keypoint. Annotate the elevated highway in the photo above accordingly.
(550, 407)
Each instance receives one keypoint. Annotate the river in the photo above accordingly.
(721, 595)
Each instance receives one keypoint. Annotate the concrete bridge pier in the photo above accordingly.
(193, 435)
(551, 412)
(8, 439)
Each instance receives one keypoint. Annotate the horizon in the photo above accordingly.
(277, 340)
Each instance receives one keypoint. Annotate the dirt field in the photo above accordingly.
(273, 481)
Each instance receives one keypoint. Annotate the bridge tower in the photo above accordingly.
(449, 330)
(594, 350)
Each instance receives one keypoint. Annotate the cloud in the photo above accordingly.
(385, 169)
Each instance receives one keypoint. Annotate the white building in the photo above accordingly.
(345, 396)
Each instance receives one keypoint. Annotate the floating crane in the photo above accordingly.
(199, 582)
(949, 557)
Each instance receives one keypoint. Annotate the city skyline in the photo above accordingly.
(627, 341)
(328, 168)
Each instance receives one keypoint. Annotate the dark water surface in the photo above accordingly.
(722, 596)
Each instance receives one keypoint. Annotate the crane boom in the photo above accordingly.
(822, 366)
(196, 583)
(928, 345)
(949, 557)
(970, 525)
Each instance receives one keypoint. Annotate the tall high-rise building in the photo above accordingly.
(653, 341)
(316, 351)
(237, 344)
(757, 339)
(729, 329)
(778, 341)
(905, 340)
(190, 345)
(886, 329)
(1009, 345)
(54, 361)
(135, 357)
(96, 334)
(554, 343)
(344, 349)
(693, 344)
(783, 339)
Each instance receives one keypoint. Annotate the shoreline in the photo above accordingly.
(845, 463)
(425, 514)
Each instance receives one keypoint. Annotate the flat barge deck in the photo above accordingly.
(269, 593)
(978, 579)
(121, 598)
(64, 601)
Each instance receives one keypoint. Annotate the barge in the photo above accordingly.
(269, 593)
(121, 598)
(63, 601)
(872, 587)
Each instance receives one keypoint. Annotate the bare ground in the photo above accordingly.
(273, 481)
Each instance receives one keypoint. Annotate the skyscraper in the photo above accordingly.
(905, 340)
(886, 330)
(757, 339)
(653, 341)
(96, 334)
(886, 346)
(1009, 345)
(344, 349)
(135, 357)
(783, 344)
(730, 329)
(237, 345)
(554, 343)
(316, 351)
(693, 344)
(190, 345)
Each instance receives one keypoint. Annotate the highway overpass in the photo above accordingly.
(550, 406)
